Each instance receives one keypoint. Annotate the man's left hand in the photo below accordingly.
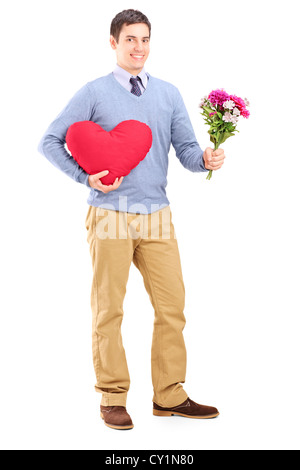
(213, 159)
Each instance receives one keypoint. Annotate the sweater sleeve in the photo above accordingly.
(52, 144)
(183, 138)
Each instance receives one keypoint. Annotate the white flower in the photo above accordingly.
(229, 104)
(203, 101)
(227, 117)
(236, 112)
(246, 102)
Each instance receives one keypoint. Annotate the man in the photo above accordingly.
(130, 220)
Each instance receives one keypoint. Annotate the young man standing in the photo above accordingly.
(131, 221)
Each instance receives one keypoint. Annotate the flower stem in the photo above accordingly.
(217, 145)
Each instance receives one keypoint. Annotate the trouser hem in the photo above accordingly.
(171, 402)
(113, 399)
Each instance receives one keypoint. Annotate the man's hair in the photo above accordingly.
(128, 17)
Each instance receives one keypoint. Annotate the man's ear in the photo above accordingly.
(112, 42)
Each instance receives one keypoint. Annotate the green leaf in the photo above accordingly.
(225, 136)
(208, 110)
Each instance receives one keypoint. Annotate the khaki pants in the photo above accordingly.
(116, 239)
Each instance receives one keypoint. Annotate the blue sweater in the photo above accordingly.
(106, 102)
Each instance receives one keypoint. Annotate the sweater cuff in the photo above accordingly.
(84, 178)
(202, 164)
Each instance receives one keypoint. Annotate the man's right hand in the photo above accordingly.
(95, 182)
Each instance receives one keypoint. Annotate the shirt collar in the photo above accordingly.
(125, 76)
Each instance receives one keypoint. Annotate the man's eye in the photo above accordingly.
(131, 39)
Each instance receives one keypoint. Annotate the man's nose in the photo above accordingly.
(139, 47)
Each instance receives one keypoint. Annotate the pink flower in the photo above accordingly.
(218, 97)
(211, 114)
(238, 101)
(245, 113)
(241, 105)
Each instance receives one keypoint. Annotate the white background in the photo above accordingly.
(238, 234)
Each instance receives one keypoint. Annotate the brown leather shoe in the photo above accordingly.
(188, 409)
(116, 417)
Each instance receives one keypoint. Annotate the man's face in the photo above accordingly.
(133, 47)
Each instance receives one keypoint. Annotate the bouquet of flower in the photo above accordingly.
(221, 112)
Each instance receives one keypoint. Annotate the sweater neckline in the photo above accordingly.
(128, 92)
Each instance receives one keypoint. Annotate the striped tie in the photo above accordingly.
(135, 88)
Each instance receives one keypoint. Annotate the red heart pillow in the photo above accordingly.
(119, 150)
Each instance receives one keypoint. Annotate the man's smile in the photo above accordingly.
(137, 56)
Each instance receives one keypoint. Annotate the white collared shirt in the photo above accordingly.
(123, 78)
